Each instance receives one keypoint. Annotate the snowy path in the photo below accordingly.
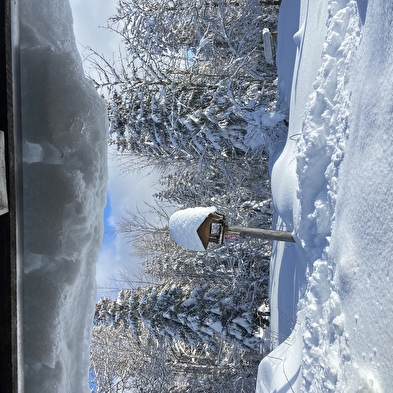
(321, 152)
(306, 37)
(332, 186)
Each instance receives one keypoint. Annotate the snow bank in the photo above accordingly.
(326, 125)
(184, 224)
(302, 31)
(361, 246)
(308, 40)
(65, 173)
(281, 369)
(338, 91)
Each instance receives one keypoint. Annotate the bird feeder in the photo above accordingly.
(194, 228)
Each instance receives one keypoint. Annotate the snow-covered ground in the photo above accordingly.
(330, 294)
(64, 152)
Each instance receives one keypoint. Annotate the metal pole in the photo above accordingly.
(264, 234)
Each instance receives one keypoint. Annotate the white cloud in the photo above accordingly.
(90, 18)
(113, 259)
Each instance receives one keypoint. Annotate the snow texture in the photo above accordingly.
(65, 174)
(184, 224)
(330, 293)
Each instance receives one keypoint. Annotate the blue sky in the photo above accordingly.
(109, 227)
(124, 191)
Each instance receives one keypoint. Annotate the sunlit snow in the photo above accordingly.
(330, 294)
(64, 174)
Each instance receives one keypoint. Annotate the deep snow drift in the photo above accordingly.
(64, 153)
(331, 186)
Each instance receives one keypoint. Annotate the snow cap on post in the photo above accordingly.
(184, 225)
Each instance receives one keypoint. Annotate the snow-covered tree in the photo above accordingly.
(202, 315)
(192, 78)
(119, 363)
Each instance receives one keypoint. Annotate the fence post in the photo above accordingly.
(268, 47)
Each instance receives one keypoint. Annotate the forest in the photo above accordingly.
(193, 97)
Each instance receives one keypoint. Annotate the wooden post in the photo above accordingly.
(268, 46)
(264, 234)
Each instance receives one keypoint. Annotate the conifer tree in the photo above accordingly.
(201, 316)
(192, 78)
